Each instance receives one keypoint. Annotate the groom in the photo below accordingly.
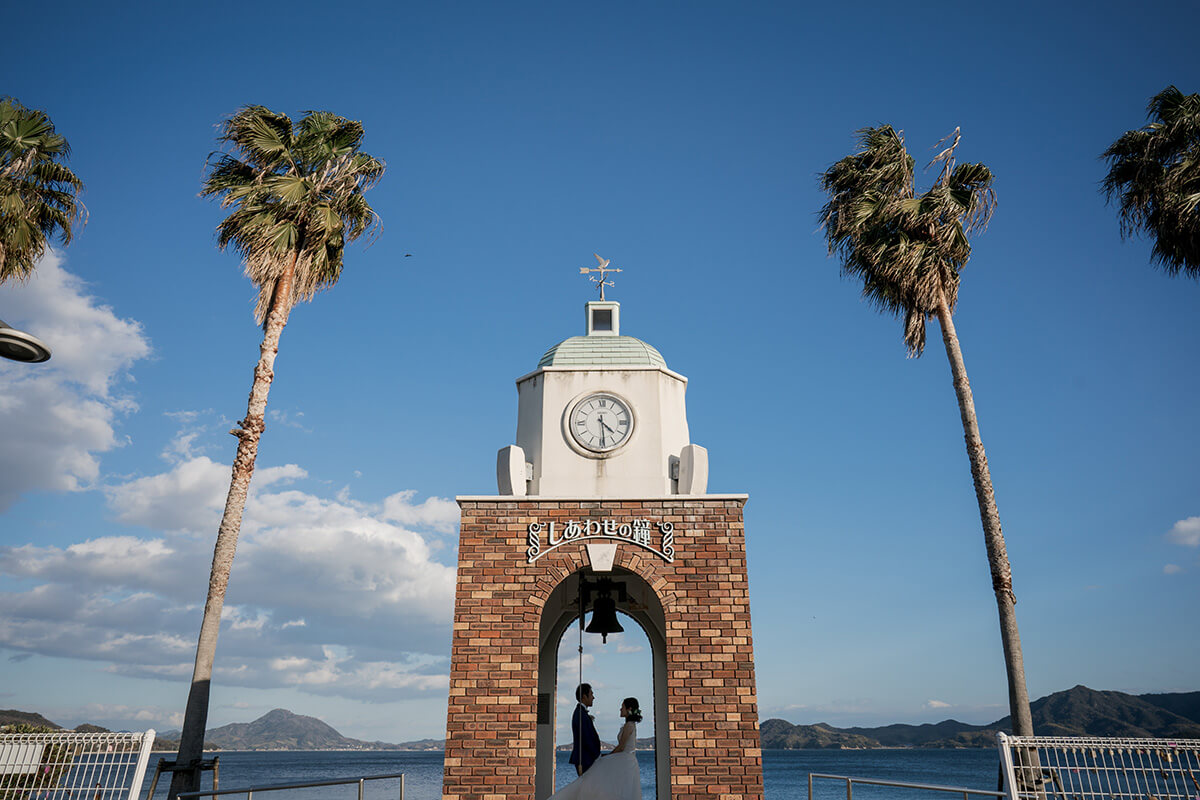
(586, 748)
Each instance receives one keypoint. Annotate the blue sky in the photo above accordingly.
(683, 141)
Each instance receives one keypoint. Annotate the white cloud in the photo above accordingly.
(270, 476)
(113, 561)
(124, 717)
(337, 670)
(181, 447)
(436, 512)
(629, 648)
(1172, 569)
(58, 416)
(936, 704)
(290, 419)
(91, 345)
(1186, 532)
(190, 496)
(239, 620)
(331, 597)
(568, 663)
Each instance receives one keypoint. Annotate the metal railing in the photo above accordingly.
(1100, 768)
(275, 787)
(965, 792)
(65, 764)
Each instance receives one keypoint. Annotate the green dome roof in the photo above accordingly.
(602, 351)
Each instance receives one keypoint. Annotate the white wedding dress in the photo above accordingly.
(612, 777)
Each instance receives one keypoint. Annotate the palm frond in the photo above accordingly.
(39, 194)
(907, 248)
(1154, 176)
(297, 194)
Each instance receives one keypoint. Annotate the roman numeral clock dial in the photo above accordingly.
(601, 422)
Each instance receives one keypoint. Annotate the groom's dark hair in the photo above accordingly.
(584, 688)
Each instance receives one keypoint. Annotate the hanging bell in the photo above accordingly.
(604, 618)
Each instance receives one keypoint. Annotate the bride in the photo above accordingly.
(615, 775)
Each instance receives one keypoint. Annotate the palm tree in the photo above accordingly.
(908, 250)
(39, 195)
(297, 195)
(1155, 172)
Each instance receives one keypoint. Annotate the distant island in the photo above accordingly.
(1076, 712)
(282, 730)
(276, 730)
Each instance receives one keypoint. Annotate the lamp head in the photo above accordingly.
(20, 346)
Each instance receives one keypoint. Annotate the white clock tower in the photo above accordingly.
(603, 508)
(602, 416)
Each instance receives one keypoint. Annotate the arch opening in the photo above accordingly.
(558, 642)
(622, 668)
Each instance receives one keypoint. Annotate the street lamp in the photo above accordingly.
(21, 346)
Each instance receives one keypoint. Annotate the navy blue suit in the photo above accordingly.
(586, 746)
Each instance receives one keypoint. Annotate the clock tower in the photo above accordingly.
(602, 493)
(602, 416)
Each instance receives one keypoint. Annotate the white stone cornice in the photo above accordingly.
(500, 498)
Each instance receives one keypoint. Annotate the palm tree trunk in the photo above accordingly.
(993, 536)
(195, 716)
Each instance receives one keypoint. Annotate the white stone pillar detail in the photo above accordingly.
(693, 469)
(510, 471)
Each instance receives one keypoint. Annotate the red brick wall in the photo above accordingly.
(712, 704)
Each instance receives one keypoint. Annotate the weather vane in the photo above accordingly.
(603, 269)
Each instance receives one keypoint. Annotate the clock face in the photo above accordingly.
(601, 422)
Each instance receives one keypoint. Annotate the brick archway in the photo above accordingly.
(711, 708)
(561, 612)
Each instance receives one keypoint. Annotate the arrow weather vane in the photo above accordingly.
(603, 269)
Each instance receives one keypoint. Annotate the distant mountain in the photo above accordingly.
(920, 735)
(13, 717)
(1086, 712)
(31, 720)
(1076, 712)
(776, 734)
(1185, 704)
(282, 730)
(421, 744)
(985, 738)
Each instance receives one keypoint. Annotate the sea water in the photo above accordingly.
(785, 773)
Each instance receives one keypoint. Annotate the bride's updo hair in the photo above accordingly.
(633, 709)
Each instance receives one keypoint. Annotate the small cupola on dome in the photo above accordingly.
(603, 318)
